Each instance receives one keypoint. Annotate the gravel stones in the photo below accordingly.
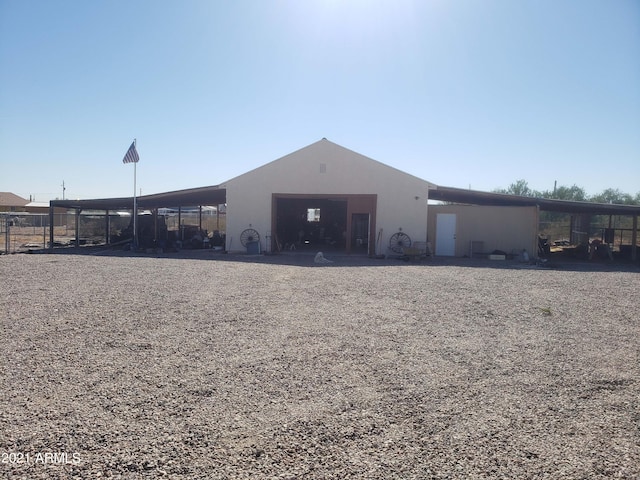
(230, 369)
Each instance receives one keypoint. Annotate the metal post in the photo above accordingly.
(7, 234)
(135, 209)
(634, 239)
(77, 227)
(51, 224)
(107, 236)
(155, 226)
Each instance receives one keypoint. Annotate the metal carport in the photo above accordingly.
(193, 197)
(475, 197)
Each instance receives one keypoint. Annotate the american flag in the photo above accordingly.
(132, 154)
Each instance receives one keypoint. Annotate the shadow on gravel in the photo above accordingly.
(306, 259)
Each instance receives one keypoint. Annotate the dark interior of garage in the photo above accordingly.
(311, 223)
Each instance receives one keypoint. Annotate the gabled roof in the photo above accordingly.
(8, 199)
(323, 151)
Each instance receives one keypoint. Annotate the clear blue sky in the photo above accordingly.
(463, 93)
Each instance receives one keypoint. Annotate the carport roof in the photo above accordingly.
(217, 195)
(475, 197)
(213, 195)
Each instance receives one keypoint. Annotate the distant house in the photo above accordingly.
(39, 211)
(38, 207)
(10, 202)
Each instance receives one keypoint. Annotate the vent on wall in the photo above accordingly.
(323, 168)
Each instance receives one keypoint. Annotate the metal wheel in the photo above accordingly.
(249, 235)
(399, 240)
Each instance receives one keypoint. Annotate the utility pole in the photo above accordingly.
(63, 189)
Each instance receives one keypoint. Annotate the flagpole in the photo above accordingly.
(132, 157)
(135, 206)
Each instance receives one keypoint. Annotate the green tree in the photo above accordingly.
(520, 187)
(613, 195)
(573, 193)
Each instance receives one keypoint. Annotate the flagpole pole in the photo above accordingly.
(135, 205)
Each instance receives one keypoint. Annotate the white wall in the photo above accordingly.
(499, 228)
(327, 168)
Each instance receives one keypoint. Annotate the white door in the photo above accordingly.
(446, 234)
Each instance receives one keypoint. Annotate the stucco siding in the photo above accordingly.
(509, 229)
(324, 168)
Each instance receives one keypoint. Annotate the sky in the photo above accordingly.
(463, 93)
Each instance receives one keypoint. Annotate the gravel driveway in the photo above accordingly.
(142, 367)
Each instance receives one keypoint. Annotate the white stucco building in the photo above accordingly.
(325, 196)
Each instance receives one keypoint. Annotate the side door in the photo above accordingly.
(446, 234)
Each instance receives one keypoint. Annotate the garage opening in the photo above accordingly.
(311, 223)
(328, 223)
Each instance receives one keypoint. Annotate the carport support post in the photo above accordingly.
(155, 226)
(107, 227)
(180, 223)
(78, 210)
(634, 239)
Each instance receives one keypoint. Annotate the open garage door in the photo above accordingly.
(328, 223)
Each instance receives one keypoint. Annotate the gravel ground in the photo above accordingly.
(269, 368)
